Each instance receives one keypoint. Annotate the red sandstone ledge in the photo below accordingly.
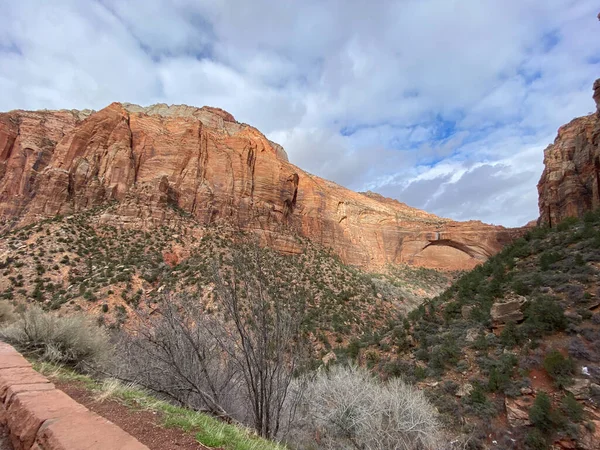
(40, 417)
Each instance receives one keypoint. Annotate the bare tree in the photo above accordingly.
(235, 357)
(171, 352)
(265, 320)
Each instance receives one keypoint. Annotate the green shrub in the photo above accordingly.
(544, 315)
(521, 288)
(540, 413)
(420, 373)
(510, 336)
(499, 380)
(479, 403)
(572, 408)
(353, 348)
(549, 258)
(559, 368)
(590, 217)
(72, 340)
(567, 223)
(443, 355)
(537, 233)
(536, 440)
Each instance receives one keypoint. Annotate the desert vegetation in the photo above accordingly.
(349, 407)
(521, 328)
(72, 264)
(214, 394)
(219, 327)
(71, 340)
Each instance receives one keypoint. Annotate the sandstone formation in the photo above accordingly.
(508, 310)
(597, 94)
(153, 166)
(570, 183)
(517, 410)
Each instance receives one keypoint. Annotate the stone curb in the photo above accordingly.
(40, 417)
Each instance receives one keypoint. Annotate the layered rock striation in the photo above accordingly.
(152, 166)
(570, 183)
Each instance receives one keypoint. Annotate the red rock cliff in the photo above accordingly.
(152, 162)
(570, 183)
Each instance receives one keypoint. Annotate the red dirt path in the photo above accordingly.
(145, 426)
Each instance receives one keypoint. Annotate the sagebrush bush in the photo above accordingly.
(348, 408)
(72, 340)
(577, 349)
(6, 313)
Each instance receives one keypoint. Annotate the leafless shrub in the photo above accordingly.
(72, 340)
(235, 356)
(348, 408)
(574, 292)
(173, 353)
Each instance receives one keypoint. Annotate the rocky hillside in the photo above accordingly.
(151, 163)
(570, 183)
(79, 263)
(510, 353)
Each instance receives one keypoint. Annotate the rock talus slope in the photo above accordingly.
(570, 183)
(155, 165)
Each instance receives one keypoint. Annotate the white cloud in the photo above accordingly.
(444, 104)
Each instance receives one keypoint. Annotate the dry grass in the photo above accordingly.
(72, 340)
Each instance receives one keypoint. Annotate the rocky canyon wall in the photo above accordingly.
(570, 183)
(153, 165)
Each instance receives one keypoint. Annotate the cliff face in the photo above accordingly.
(153, 164)
(570, 183)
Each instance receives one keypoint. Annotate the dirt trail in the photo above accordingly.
(145, 426)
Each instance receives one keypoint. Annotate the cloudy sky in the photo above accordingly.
(446, 105)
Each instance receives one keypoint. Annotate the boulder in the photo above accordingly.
(517, 410)
(573, 315)
(464, 390)
(472, 334)
(567, 444)
(580, 388)
(508, 310)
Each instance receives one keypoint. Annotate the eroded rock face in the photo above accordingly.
(153, 164)
(509, 310)
(517, 410)
(570, 183)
